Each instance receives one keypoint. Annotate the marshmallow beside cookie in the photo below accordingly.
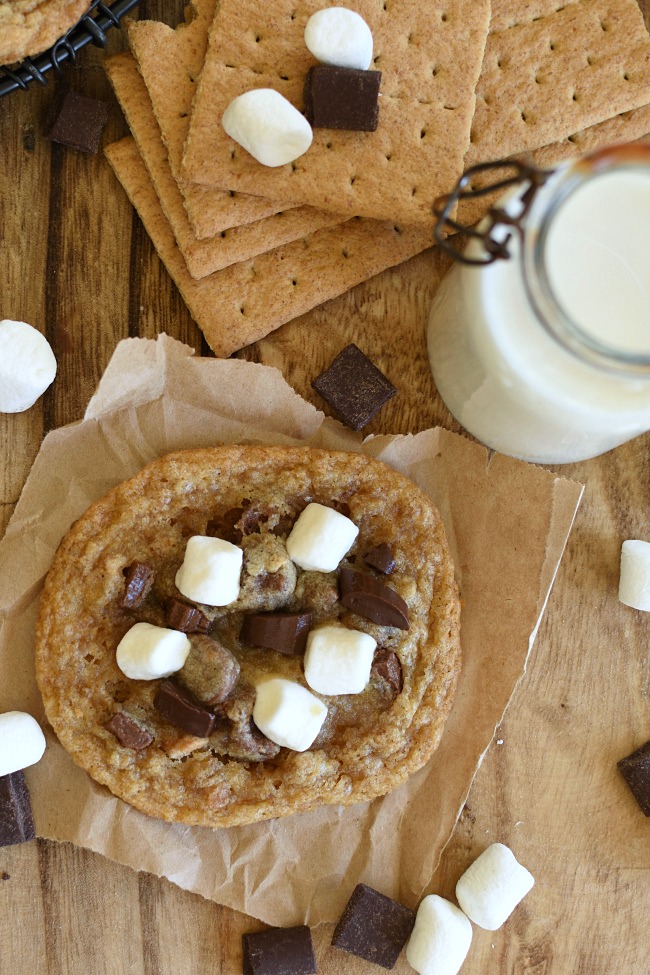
(27, 366)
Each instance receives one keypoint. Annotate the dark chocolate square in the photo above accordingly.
(636, 770)
(279, 951)
(373, 927)
(16, 822)
(342, 98)
(80, 122)
(354, 387)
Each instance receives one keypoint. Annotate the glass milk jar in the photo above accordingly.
(545, 355)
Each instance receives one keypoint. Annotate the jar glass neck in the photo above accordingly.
(545, 217)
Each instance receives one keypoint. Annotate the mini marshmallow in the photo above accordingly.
(634, 584)
(440, 939)
(147, 652)
(288, 714)
(320, 538)
(210, 571)
(22, 742)
(338, 660)
(268, 126)
(492, 886)
(339, 36)
(27, 366)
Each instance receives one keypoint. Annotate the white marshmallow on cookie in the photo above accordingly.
(634, 583)
(22, 742)
(492, 886)
(147, 652)
(338, 660)
(339, 36)
(288, 714)
(320, 538)
(440, 939)
(267, 126)
(27, 366)
(211, 571)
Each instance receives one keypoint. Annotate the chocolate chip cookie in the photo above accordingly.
(184, 748)
(29, 27)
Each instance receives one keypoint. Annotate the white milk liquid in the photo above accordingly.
(510, 383)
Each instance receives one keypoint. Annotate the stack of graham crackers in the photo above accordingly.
(463, 81)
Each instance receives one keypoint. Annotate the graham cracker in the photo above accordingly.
(553, 69)
(628, 127)
(246, 301)
(170, 61)
(230, 246)
(430, 58)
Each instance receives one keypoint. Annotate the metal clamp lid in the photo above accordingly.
(515, 173)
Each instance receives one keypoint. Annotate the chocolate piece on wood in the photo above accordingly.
(373, 927)
(354, 387)
(16, 821)
(372, 599)
(279, 951)
(284, 632)
(80, 122)
(188, 619)
(183, 710)
(342, 98)
(636, 770)
(137, 585)
(380, 558)
(128, 732)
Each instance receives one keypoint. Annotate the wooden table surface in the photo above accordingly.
(77, 264)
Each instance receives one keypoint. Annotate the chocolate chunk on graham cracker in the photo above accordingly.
(373, 927)
(342, 98)
(354, 387)
(16, 821)
(279, 951)
(635, 768)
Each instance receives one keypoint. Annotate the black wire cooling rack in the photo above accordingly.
(92, 28)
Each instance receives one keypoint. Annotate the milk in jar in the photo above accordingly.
(546, 356)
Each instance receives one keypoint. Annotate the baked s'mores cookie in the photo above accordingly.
(219, 644)
(28, 27)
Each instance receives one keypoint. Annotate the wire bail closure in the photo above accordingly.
(495, 246)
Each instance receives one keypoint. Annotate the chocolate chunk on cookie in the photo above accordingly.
(283, 632)
(372, 599)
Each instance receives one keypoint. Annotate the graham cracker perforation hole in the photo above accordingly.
(434, 71)
(284, 77)
(345, 252)
(423, 132)
(449, 108)
(223, 233)
(389, 156)
(604, 26)
(294, 282)
(523, 117)
(590, 60)
(398, 230)
(626, 76)
(241, 310)
(233, 153)
(552, 45)
(329, 145)
(294, 15)
(353, 180)
(232, 193)
(444, 18)
(414, 191)
(183, 115)
(574, 96)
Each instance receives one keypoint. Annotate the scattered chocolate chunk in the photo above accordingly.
(342, 98)
(387, 668)
(372, 599)
(137, 585)
(354, 387)
(380, 558)
(210, 671)
(279, 951)
(5, 876)
(80, 122)
(128, 732)
(245, 741)
(284, 632)
(16, 821)
(183, 710)
(188, 619)
(636, 770)
(373, 927)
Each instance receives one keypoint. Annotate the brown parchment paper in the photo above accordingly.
(507, 524)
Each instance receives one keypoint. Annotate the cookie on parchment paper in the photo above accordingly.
(370, 742)
(29, 27)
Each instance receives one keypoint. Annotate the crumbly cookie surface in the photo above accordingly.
(370, 742)
(29, 27)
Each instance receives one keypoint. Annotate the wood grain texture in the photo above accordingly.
(78, 265)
